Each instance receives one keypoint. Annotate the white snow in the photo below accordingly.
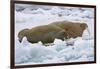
(70, 50)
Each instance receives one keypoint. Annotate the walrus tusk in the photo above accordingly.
(88, 31)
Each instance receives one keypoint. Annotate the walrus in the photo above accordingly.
(73, 29)
(47, 33)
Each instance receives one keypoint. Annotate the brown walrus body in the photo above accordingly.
(47, 33)
(73, 29)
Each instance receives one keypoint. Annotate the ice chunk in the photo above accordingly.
(86, 35)
(69, 53)
(81, 44)
(83, 58)
(70, 41)
(21, 53)
(59, 44)
(54, 60)
(25, 42)
(38, 52)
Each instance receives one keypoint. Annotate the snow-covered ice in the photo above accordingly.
(70, 50)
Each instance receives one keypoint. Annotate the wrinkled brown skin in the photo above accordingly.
(72, 29)
(47, 33)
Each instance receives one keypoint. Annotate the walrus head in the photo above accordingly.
(83, 26)
(22, 34)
